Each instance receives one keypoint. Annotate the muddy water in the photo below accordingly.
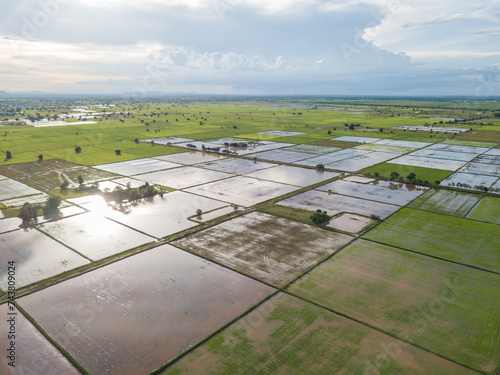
(37, 257)
(156, 216)
(381, 191)
(34, 353)
(133, 167)
(132, 316)
(183, 177)
(293, 175)
(236, 166)
(282, 155)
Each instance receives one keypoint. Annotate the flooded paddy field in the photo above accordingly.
(350, 223)
(381, 191)
(272, 249)
(94, 236)
(190, 158)
(488, 159)
(236, 165)
(357, 163)
(319, 339)
(18, 202)
(138, 166)
(394, 290)
(446, 202)
(132, 316)
(493, 151)
(359, 179)
(385, 148)
(37, 257)
(134, 183)
(156, 216)
(447, 237)
(34, 353)
(241, 190)
(13, 189)
(333, 157)
(283, 156)
(481, 168)
(349, 138)
(313, 149)
(206, 216)
(405, 144)
(335, 204)
(293, 175)
(427, 162)
(488, 209)
(166, 140)
(183, 177)
(9, 223)
(446, 155)
(469, 179)
(457, 148)
(49, 174)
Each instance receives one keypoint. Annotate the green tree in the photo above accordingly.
(80, 179)
(51, 208)
(118, 152)
(8, 155)
(320, 217)
(78, 149)
(40, 157)
(320, 167)
(411, 176)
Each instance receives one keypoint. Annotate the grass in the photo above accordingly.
(456, 239)
(297, 214)
(437, 305)
(492, 136)
(446, 202)
(488, 209)
(385, 170)
(288, 336)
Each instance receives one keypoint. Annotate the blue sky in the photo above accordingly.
(260, 47)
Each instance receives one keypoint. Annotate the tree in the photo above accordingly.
(80, 179)
(329, 132)
(28, 213)
(411, 176)
(394, 176)
(118, 152)
(136, 140)
(198, 212)
(320, 217)
(51, 208)
(40, 157)
(8, 155)
(320, 167)
(78, 149)
(381, 130)
(64, 185)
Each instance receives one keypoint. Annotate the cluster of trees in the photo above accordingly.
(475, 187)
(29, 212)
(120, 195)
(320, 217)
(411, 178)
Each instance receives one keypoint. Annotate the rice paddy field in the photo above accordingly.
(231, 269)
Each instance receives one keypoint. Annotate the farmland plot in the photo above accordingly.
(349, 138)
(488, 209)
(457, 148)
(493, 151)
(313, 149)
(446, 202)
(481, 168)
(333, 157)
(286, 335)
(335, 204)
(456, 239)
(166, 140)
(469, 179)
(241, 190)
(94, 236)
(37, 257)
(488, 159)
(350, 223)
(441, 154)
(272, 249)
(281, 133)
(156, 216)
(10, 223)
(236, 165)
(406, 144)
(443, 307)
(143, 310)
(381, 191)
(385, 148)
(34, 353)
(426, 162)
(183, 177)
(190, 158)
(13, 189)
(293, 175)
(138, 166)
(360, 162)
(281, 155)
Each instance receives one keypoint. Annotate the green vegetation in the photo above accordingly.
(424, 174)
(447, 202)
(320, 217)
(297, 214)
(437, 305)
(456, 239)
(488, 209)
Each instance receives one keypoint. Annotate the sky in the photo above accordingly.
(251, 47)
